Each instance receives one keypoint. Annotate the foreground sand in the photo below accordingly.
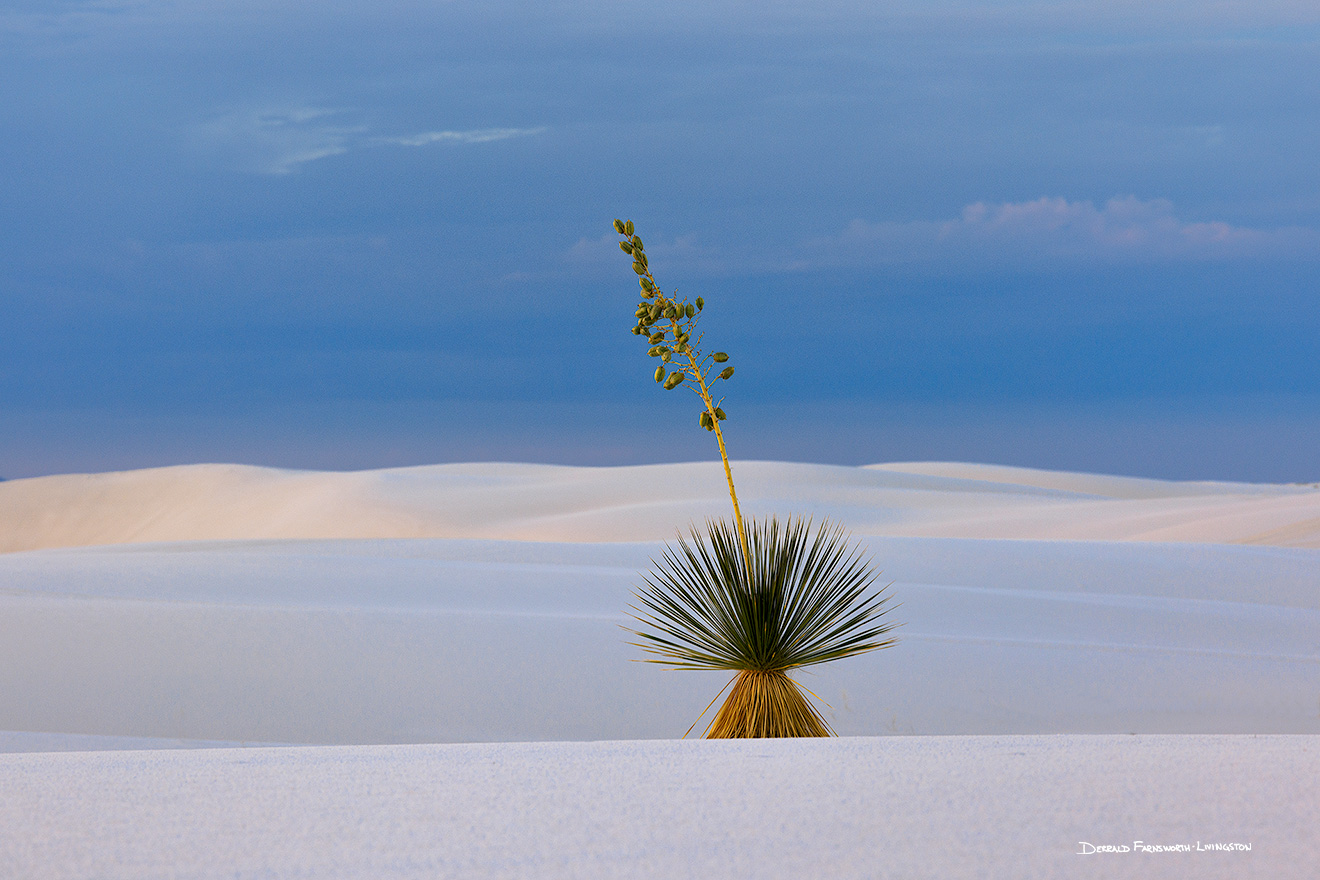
(905, 807)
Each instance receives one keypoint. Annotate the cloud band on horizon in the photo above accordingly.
(1054, 229)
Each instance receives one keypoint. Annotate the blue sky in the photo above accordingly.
(351, 234)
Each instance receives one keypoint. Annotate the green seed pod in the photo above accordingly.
(641, 258)
(656, 311)
(628, 228)
(674, 380)
(719, 413)
(639, 268)
(637, 242)
(625, 247)
(701, 303)
(727, 372)
(690, 310)
(705, 420)
(648, 286)
(719, 357)
(618, 226)
(657, 338)
(637, 331)
(654, 352)
(664, 355)
(660, 373)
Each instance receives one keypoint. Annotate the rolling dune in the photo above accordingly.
(643, 503)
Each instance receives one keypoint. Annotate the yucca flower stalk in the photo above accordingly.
(670, 326)
(758, 600)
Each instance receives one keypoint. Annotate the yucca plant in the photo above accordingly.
(758, 600)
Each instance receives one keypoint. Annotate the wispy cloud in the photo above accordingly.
(1124, 229)
(281, 140)
(475, 136)
(275, 140)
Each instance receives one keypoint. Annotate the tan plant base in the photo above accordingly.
(766, 704)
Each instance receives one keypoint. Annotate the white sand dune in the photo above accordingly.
(211, 605)
(645, 503)
(269, 609)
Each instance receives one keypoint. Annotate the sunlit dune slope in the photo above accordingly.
(556, 503)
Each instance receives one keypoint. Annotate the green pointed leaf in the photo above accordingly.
(809, 598)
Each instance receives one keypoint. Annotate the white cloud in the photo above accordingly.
(475, 136)
(1125, 229)
(282, 139)
(275, 140)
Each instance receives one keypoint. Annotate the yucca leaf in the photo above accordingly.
(809, 598)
